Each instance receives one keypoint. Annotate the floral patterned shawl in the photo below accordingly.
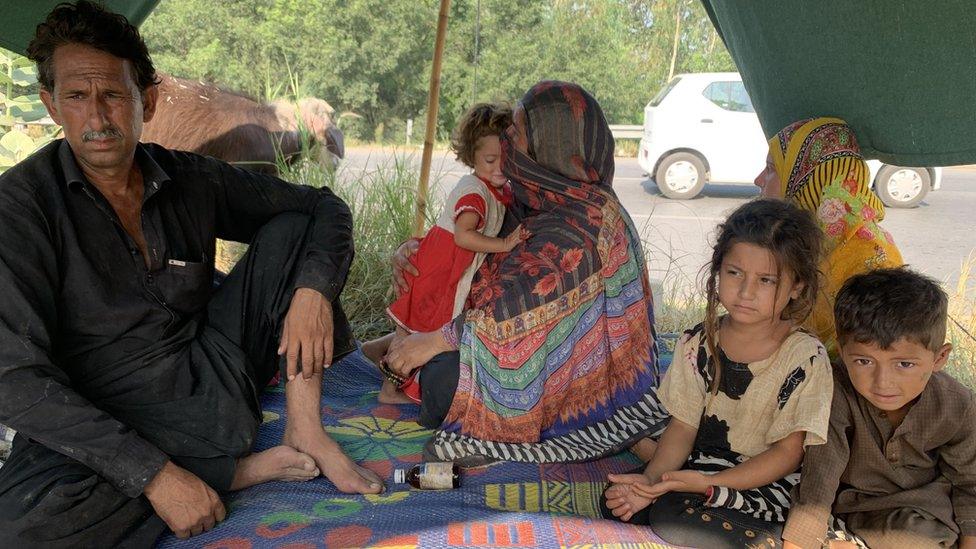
(821, 170)
(558, 355)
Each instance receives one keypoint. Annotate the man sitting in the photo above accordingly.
(132, 383)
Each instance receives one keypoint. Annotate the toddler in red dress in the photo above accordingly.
(466, 230)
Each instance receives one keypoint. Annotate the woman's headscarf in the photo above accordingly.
(821, 170)
(810, 154)
(558, 355)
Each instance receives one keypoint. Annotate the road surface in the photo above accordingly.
(934, 238)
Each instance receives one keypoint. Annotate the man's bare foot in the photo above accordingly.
(278, 463)
(389, 394)
(375, 349)
(334, 464)
(644, 449)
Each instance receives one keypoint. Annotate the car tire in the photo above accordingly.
(900, 187)
(681, 176)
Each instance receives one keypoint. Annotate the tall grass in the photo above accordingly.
(383, 200)
(626, 148)
(962, 324)
(678, 302)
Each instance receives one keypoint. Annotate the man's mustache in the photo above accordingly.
(107, 133)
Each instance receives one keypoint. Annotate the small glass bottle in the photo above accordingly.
(430, 476)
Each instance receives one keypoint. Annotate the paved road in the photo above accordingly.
(934, 238)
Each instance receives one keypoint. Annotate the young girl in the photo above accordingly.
(747, 391)
(455, 247)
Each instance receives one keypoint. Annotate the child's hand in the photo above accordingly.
(623, 500)
(518, 235)
(691, 482)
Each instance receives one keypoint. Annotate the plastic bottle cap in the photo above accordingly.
(399, 476)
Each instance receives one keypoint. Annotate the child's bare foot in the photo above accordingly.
(278, 463)
(375, 349)
(389, 394)
(644, 449)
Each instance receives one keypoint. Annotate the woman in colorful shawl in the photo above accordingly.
(555, 358)
(817, 165)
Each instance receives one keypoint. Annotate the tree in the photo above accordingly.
(372, 57)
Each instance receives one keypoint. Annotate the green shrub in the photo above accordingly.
(23, 127)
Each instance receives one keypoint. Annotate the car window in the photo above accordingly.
(730, 96)
(740, 101)
(664, 92)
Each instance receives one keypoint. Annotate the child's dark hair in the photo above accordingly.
(479, 121)
(886, 305)
(794, 239)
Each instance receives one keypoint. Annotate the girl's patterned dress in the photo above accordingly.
(757, 405)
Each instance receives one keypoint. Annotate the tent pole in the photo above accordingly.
(432, 103)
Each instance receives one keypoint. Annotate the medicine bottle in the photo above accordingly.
(430, 476)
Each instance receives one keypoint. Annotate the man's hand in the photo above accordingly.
(307, 334)
(623, 500)
(185, 503)
(691, 482)
(403, 265)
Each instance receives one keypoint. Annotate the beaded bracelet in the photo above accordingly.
(391, 375)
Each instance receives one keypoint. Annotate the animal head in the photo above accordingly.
(316, 117)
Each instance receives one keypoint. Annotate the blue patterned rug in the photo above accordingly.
(504, 505)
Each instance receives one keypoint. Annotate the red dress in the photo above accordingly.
(438, 292)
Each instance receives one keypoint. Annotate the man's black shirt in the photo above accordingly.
(89, 334)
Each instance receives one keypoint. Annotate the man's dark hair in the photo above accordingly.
(92, 25)
(886, 305)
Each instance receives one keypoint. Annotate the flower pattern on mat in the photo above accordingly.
(374, 438)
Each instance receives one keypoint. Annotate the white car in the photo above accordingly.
(702, 128)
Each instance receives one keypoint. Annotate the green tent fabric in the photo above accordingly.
(901, 72)
(20, 17)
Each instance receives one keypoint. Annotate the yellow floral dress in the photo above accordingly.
(821, 170)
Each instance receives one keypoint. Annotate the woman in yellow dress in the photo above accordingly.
(817, 165)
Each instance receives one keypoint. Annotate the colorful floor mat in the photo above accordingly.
(504, 505)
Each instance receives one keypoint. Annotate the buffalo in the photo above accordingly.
(200, 117)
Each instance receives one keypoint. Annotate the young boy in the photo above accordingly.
(899, 466)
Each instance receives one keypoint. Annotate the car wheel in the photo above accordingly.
(680, 176)
(901, 187)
